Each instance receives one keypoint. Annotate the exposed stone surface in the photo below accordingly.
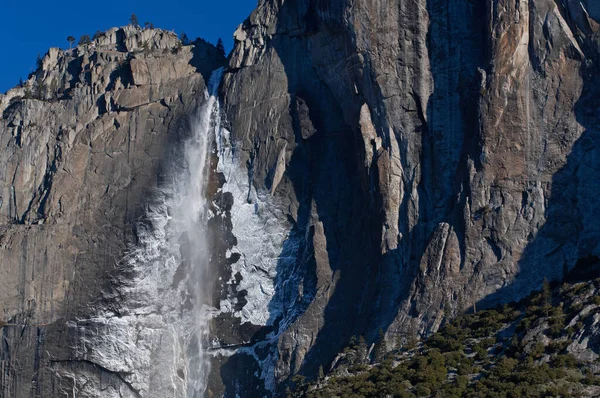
(84, 143)
(386, 164)
(436, 154)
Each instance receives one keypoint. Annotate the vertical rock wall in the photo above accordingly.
(424, 156)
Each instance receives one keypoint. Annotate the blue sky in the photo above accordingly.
(30, 27)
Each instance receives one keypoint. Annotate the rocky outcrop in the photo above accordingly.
(422, 157)
(85, 143)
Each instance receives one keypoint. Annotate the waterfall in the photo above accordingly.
(192, 211)
(155, 334)
(155, 330)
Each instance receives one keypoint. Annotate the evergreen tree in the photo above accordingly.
(362, 350)
(133, 20)
(221, 47)
(321, 373)
(299, 383)
(412, 336)
(353, 342)
(84, 40)
(546, 296)
(40, 92)
(71, 40)
(399, 342)
(38, 61)
(53, 88)
(98, 35)
(380, 348)
(184, 38)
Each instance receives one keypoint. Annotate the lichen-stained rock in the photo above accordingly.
(85, 142)
(452, 160)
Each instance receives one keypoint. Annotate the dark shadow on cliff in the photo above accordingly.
(328, 175)
(335, 188)
(449, 137)
(570, 236)
(456, 48)
(206, 58)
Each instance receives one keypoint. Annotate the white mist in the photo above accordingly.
(191, 209)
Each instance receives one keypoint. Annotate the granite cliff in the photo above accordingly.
(88, 145)
(377, 166)
(425, 156)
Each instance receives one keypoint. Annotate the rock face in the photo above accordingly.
(385, 165)
(85, 143)
(422, 156)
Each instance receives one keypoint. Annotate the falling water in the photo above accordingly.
(192, 211)
(155, 330)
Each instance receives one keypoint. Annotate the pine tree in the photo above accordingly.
(221, 47)
(299, 383)
(447, 311)
(362, 350)
(380, 348)
(412, 338)
(40, 92)
(353, 342)
(399, 342)
(71, 40)
(184, 39)
(546, 296)
(53, 87)
(84, 40)
(133, 20)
